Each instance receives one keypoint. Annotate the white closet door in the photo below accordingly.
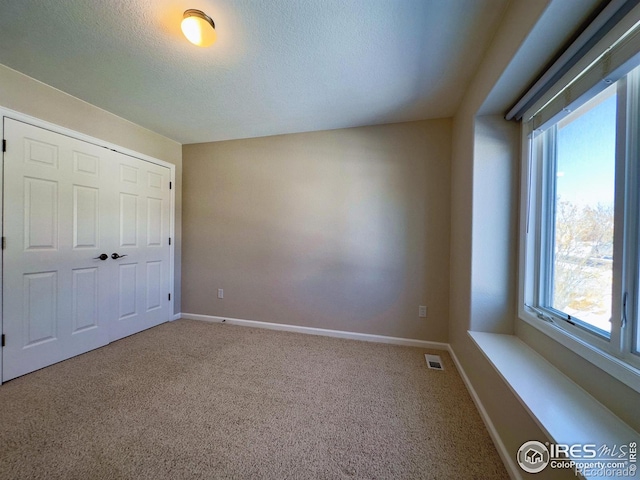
(142, 277)
(66, 203)
(56, 294)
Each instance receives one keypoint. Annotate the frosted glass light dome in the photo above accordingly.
(199, 28)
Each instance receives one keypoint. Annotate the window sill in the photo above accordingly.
(619, 370)
(564, 411)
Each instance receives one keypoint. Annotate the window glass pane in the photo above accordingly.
(584, 200)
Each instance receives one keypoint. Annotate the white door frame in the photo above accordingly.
(5, 112)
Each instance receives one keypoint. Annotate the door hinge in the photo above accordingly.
(3, 339)
(169, 297)
(169, 240)
(169, 185)
(4, 243)
(4, 145)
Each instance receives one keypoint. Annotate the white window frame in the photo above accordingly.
(614, 355)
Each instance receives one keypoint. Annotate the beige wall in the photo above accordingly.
(344, 229)
(23, 94)
(474, 209)
(495, 221)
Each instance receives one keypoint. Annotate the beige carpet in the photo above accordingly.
(196, 400)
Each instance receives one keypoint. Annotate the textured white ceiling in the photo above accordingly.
(279, 66)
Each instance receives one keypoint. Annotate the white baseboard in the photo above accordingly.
(177, 316)
(509, 463)
(366, 337)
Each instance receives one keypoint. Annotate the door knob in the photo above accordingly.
(104, 256)
(116, 256)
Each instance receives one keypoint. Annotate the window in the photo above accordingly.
(581, 209)
(580, 164)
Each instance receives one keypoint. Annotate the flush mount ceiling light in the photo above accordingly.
(198, 28)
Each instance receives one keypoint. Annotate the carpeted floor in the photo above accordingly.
(190, 399)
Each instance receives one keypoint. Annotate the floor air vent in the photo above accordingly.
(434, 362)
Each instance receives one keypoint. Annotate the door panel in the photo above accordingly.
(85, 164)
(40, 307)
(85, 304)
(128, 220)
(128, 290)
(154, 285)
(85, 217)
(156, 240)
(40, 153)
(51, 310)
(128, 174)
(155, 181)
(40, 214)
(67, 202)
(144, 220)
(154, 222)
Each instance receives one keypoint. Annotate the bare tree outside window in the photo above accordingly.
(582, 283)
(584, 262)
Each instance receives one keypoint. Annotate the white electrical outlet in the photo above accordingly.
(422, 311)
(220, 293)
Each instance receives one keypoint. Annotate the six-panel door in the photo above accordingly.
(142, 276)
(66, 203)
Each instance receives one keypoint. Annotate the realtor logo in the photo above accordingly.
(533, 456)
